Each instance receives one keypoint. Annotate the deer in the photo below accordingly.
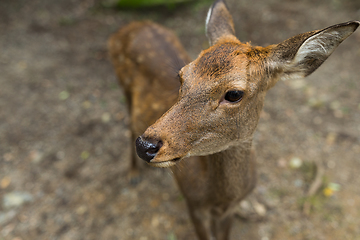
(198, 117)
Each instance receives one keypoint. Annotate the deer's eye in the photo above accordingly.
(234, 96)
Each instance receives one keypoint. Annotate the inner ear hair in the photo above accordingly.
(302, 54)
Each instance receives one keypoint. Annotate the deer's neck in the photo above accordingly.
(221, 178)
(231, 173)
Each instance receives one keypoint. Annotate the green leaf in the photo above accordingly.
(147, 3)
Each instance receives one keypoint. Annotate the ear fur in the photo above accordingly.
(219, 23)
(302, 54)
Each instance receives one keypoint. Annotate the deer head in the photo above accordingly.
(223, 90)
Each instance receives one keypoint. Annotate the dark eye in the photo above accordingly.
(234, 96)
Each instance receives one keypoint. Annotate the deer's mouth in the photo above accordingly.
(165, 164)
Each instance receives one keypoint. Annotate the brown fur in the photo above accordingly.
(157, 55)
(198, 125)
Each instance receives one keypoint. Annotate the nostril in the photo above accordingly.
(147, 149)
(154, 148)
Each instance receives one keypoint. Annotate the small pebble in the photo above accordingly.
(105, 118)
(16, 199)
(295, 162)
(86, 104)
(36, 156)
(5, 182)
(282, 163)
(85, 155)
(81, 210)
(155, 221)
(259, 208)
(64, 95)
(331, 138)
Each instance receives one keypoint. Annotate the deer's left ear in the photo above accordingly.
(219, 23)
(301, 55)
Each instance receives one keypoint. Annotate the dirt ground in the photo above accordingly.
(64, 137)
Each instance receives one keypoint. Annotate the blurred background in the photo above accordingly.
(65, 141)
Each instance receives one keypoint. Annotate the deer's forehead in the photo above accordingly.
(217, 65)
(219, 60)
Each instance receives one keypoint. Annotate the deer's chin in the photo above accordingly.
(165, 164)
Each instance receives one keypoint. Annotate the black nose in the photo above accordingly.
(147, 149)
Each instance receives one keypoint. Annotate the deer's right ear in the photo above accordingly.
(219, 23)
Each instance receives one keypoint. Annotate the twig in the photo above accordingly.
(314, 187)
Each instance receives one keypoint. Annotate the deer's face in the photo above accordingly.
(223, 90)
(218, 107)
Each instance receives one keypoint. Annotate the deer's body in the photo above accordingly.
(207, 111)
(146, 58)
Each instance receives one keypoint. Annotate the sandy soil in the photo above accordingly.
(64, 138)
